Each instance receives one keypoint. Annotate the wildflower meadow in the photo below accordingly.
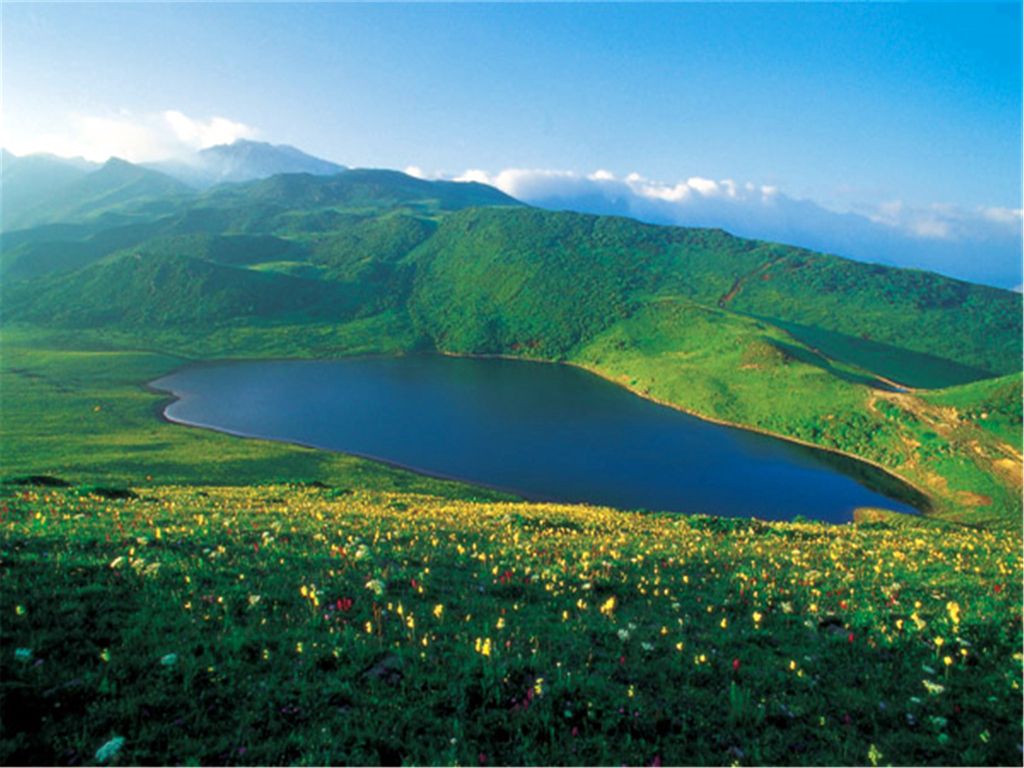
(294, 624)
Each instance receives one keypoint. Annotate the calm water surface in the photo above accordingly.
(545, 432)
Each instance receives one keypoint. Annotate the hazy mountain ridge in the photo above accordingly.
(41, 188)
(28, 181)
(942, 238)
(49, 195)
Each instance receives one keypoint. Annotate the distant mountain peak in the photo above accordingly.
(248, 146)
(117, 162)
(245, 160)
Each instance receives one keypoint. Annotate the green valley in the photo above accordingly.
(762, 335)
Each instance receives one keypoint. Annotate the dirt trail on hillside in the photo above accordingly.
(995, 456)
(740, 281)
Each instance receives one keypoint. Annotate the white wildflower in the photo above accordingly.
(109, 750)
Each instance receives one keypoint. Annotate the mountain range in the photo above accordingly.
(40, 188)
(476, 252)
(978, 245)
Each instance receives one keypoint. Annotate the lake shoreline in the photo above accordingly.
(928, 497)
(913, 499)
(170, 398)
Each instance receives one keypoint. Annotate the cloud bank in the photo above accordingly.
(976, 244)
(133, 137)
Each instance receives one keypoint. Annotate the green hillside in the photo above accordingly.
(909, 309)
(154, 289)
(490, 276)
(993, 404)
(758, 334)
(482, 279)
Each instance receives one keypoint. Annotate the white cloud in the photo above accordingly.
(931, 227)
(475, 175)
(532, 184)
(130, 136)
(706, 187)
(1010, 216)
(200, 134)
(941, 221)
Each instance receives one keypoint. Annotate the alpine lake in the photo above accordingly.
(543, 432)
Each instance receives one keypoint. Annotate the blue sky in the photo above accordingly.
(853, 106)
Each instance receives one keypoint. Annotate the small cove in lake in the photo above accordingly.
(544, 432)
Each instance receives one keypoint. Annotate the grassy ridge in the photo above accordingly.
(909, 368)
(283, 625)
(488, 278)
(910, 309)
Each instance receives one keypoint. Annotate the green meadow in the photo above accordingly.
(294, 625)
(175, 595)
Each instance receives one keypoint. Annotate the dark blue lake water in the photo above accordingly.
(545, 432)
